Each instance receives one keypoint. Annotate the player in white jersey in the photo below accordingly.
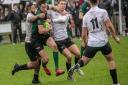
(95, 24)
(60, 35)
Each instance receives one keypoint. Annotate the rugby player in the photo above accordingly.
(59, 32)
(31, 17)
(32, 54)
(95, 23)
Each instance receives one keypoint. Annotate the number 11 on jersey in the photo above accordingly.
(94, 23)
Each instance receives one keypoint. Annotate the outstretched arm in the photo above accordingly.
(111, 28)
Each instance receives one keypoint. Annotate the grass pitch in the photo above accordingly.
(96, 72)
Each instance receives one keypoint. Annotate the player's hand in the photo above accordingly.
(117, 39)
(50, 28)
(49, 20)
(42, 15)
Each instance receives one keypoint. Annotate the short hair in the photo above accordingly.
(29, 4)
(93, 1)
(41, 2)
(61, 0)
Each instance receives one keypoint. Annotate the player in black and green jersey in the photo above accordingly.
(30, 50)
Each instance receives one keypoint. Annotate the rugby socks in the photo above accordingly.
(22, 67)
(55, 57)
(82, 50)
(76, 60)
(44, 64)
(113, 74)
(79, 64)
(68, 66)
(36, 77)
(36, 71)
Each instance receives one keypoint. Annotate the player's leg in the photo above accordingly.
(43, 55)
(31, 52)
(36, 74)
(107, 52)
(88, 55)
(30, 65)
(44, 63)
(68, 56)
(75, 50)
(62, 48)
(51, 43)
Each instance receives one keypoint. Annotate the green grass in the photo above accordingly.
(96, 72)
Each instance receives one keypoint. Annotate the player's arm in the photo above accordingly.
(84, 31)
(111, 28)
(51, 7)
(60, 19)
(55, 8)
(34, 18)
(85, 35)
(41, 29)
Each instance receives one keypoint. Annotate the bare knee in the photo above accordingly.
(46, 59)
(35, 64)
(69, 58)
(111, 62)
(54, 46)
(78, 55)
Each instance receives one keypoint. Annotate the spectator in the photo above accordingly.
(15, 16)
(76, 19)
(106, 4)
(1, 14)
(115, 16)
(125, 7)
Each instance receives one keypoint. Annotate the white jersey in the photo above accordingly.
(59, 24)
(94, 20)
(28, 27)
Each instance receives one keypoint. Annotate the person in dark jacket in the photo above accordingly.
(15, 16)
(125, 7)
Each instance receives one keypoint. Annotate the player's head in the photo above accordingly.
(62, 4)
(43, 7)
(33, 8)
(34, 3)
(93, 2)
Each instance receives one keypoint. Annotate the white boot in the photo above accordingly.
(80, 72)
